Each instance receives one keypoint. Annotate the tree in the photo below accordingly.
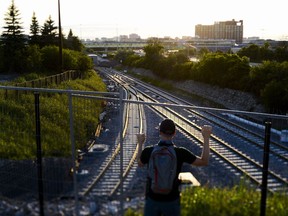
(33, 58)
(266, 53)
(182, 71)
(261, 75)
(48, 33)
(270, 82)
(224, 70)
(203, 51)
(71, 60)
(12, 39)
(281, 51)
(34, 30)
(50, 59)
(153, 53)
(252, 52)
(275, 96)
(122, 55)
(182, 57)
(153, 48)
(73, 42)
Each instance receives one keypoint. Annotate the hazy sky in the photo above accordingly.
(109, 18)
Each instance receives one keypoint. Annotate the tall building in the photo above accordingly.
(221, 30)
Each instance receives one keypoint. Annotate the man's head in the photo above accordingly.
(167, 128)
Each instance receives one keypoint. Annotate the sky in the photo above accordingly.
(90, 19)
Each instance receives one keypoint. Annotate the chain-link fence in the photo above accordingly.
(41, 131)
(64, 147)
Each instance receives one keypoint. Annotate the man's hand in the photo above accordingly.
(141, 137)
(206, 131)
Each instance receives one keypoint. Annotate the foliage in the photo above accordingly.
(153, 54)
(224, 70)
(50, 58)
(2, 56)
(83, 61)
(270, 81)
(252, 51)
(130, 212)
(34, 30)
(123, 56)
(12, 40)
(281, 52)
(16, 55)
(73, 42)
(267, 81)
(71, 59)
(48, 33)
(238, 200)
(183, 71)
(18, 125)
(203, 51)
(275, 96)
(155, 60)
(31, 76)
(33, 58)
(264, 53)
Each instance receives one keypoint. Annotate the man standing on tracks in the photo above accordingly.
(164, 162)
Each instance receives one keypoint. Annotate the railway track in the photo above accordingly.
(227, 139)
(242, 162)
(107, 181)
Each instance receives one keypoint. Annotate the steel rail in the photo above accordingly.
(134, 156)
(153, 103)
(174, 115)
(116, 153)
(108, 164)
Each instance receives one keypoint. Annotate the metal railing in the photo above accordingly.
(55, 130)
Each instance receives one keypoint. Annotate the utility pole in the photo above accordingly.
(60, 40)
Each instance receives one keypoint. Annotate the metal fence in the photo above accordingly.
(53, 143)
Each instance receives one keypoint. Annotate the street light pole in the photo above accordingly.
(60, 39)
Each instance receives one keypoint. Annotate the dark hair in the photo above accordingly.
(167, 127)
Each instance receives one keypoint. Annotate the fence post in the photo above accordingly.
(265, 168)
(121, 105)
(73, 152)
(39, 154)
(6, 94)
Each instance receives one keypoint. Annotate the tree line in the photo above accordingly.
(268, 81)
(38, 51)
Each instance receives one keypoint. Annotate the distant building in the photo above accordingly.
(134, 37)
(123, 38)
(213, 45)
(186, 38)
(221, 30)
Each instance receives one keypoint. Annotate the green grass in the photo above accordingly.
(17, 117)
(236, 201)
